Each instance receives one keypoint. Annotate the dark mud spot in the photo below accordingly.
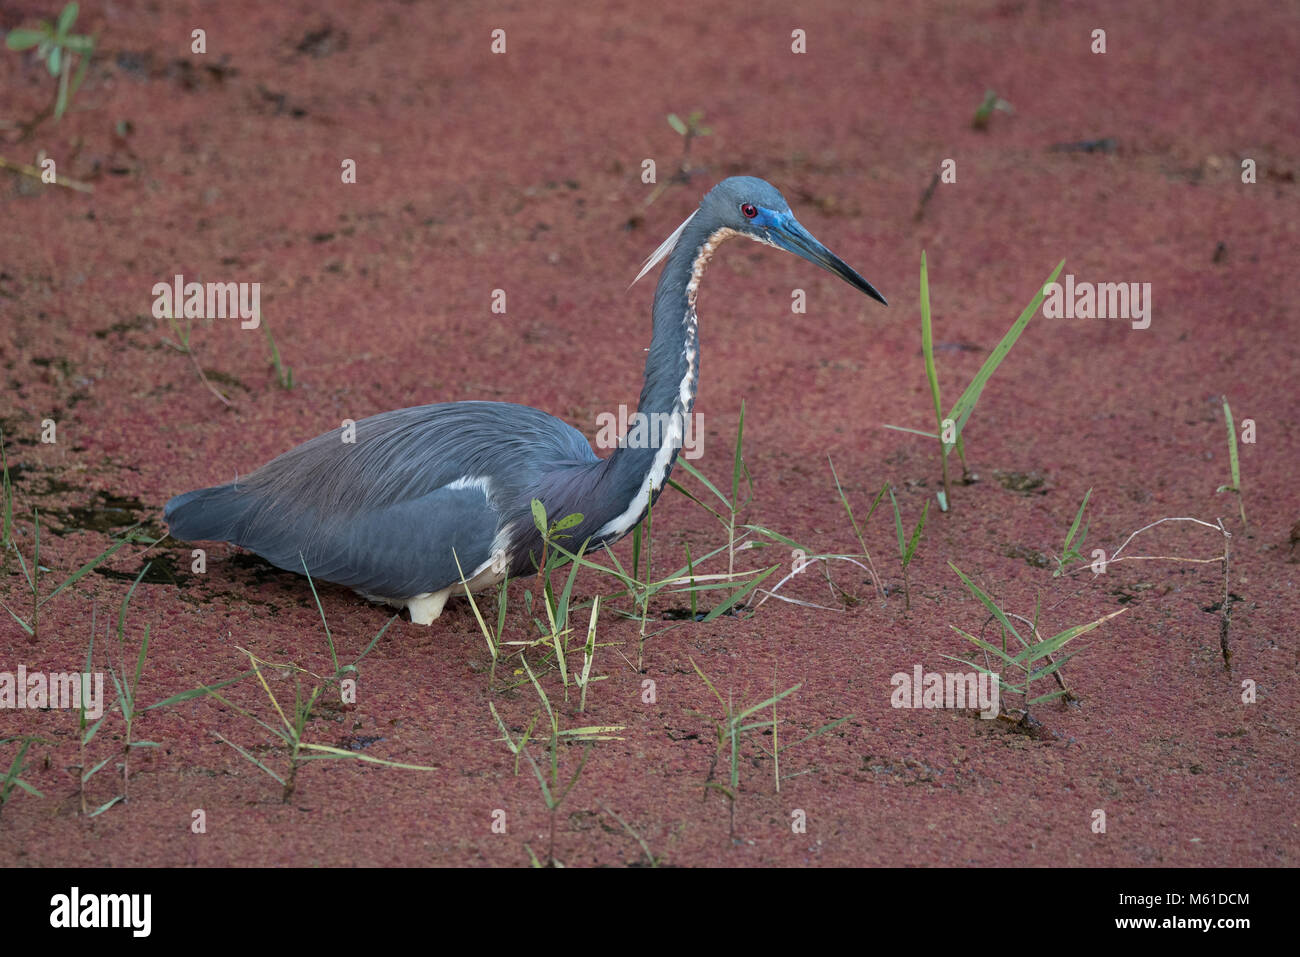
(1126, 594)
(105, 513)
(684, 614)
(1029, 726)
(262, 572)
(1106, 145)
(162, 571)
(226, 379)
(1233, 597)
(279, 102)
(142, 65)
(137, 323)
(1028, 555)
(322, 42)
(1023, 483)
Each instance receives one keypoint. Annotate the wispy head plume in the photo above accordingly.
(656, 257)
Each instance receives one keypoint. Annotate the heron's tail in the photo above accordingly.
(218, 514)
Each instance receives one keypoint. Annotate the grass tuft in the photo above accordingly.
(1233, 462)
(951, 427)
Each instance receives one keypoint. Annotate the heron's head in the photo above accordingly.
(753, 207)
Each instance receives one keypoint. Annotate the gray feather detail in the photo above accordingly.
(380, 515)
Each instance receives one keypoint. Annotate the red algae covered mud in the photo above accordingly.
(421, 211)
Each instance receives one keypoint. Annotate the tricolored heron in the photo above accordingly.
(390, 513)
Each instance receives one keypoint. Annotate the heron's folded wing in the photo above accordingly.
(395, 552)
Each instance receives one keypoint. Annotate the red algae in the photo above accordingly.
(477, 172)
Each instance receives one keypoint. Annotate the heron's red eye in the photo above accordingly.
(750, 210)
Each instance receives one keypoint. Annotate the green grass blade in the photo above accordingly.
(24, 39)
(1050, 669)
(738, 466)
(1049, 645)
(254, 760)
(740, 717)
(326, 749)
(775, 536)
(988, 603)
(373, 641)
(981, 643)
(90, 732)
(673, 483)
(707, 682)
(21, 622)
(1047, 697)
(329, 637)
(903, 428)
(89, 774)
(916, 535)
(898, 525)
(739, 594)
(1232, 445)
(1074, 527)
(104, 807)
(562, 610)
(200, 692)
(927, 344)
(699, 477)
(963, 407)
(90, 566)
(829, 726)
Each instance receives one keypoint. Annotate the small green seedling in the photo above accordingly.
(778, 748)
(907, 547)
(182, 345)
(1233, 462)
(730, 506)
(951, 427)
(848, 509)
(1071, 551)
(13, 777)
(687, 578)
(730, 727)
(493, 639)
(283, 373)
(57, 48)
(127, 703)
(689, 129)
(651, 860)
(554, 789)
(33, 576)
(291, 731)
(1028, 655)
(984, 112)
(734, 724)
(340, 670)
(553, 556)
(127, 690)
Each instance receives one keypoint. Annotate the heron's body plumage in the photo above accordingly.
(425, 498)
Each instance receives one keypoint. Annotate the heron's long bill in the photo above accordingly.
(792, 237)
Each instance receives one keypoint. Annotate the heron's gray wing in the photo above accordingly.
(395, 552)
(383, 514)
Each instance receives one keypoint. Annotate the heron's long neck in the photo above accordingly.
(639, 469)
